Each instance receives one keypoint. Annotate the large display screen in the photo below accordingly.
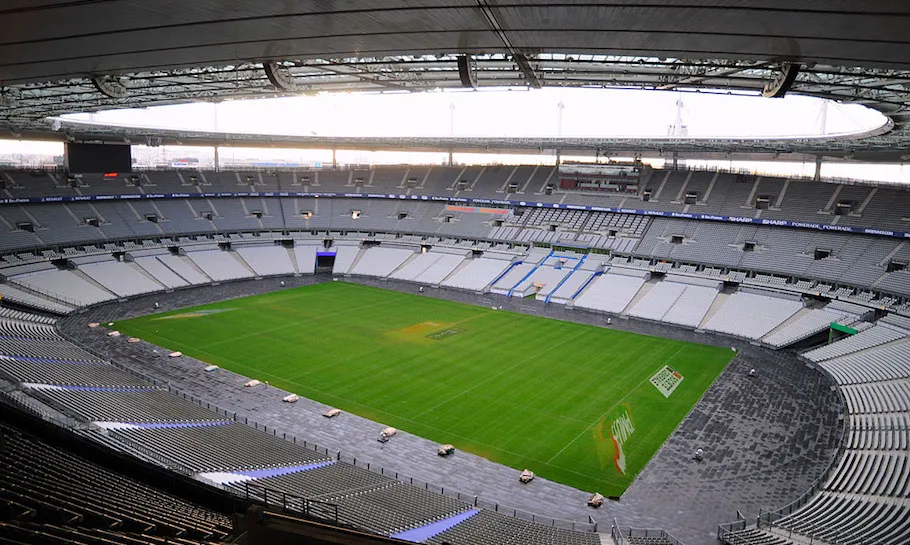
(96, 158)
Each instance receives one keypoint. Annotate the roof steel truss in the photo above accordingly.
(27, 107)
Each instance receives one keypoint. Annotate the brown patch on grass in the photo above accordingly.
(418, 329)
(416, 332)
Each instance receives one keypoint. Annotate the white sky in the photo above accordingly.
(515, 112)
(501, 112)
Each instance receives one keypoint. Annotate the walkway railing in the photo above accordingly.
(313, 509)
(57, 418)
(625, 536)
(725, 530)
(653, 533)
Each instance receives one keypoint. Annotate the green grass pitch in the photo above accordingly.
(573, 403)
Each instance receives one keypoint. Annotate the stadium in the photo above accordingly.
(609, 341)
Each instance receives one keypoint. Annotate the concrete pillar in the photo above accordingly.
(818, 169)
(334, 160)
(217, 161)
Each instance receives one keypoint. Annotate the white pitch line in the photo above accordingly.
(599, 418)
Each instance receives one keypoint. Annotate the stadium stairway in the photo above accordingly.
(138, 268)
(292, 255)
(192, 265)
(575, 269)
(786, 324)
(244, 264)
(93, 282)
(642, 292)
(719, 302)
(422, 533)
(240, 476)
(584, 286)
(530, 273)
(361, 252)
(502, 275)
(404, 263)
(456, 270)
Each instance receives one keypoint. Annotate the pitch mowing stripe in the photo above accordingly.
(640, 384)
(519, 390)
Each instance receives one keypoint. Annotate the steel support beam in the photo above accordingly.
(780, 85)
(517, 56)
(525, 66)
(466, 72)
(280, 77)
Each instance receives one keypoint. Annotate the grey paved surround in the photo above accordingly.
(766, 438)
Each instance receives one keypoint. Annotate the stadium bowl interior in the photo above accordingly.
(552, 353)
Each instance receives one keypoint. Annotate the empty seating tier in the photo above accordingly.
(26, 329)
(13, 314)
(773, 253)
(811, 322)
(220, 265)
(417, 266)
(510, 280)
(62, 489)
(610, 292)
(658, 301)
(305, 256)
(219, 448)
(43, 350)
(128, 406)
(380, 261)
(869, 338)
(344, 258)
(123, 279)
(864, 499)
(440, 269)
(180, 266)
(542, 281)
(754, 536)
(889, 362)
(852, 521)
(161, 272)
(564, 293)
(393, 507)
(65, 286)
(267, 260)
(752, 315)
(67, 374)
(692, 305)
(332, 479)
(496, 529)
(476, 274)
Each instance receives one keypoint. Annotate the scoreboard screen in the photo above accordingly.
(98, 158)
(617, 178)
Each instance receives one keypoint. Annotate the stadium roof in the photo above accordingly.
(60, 57)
